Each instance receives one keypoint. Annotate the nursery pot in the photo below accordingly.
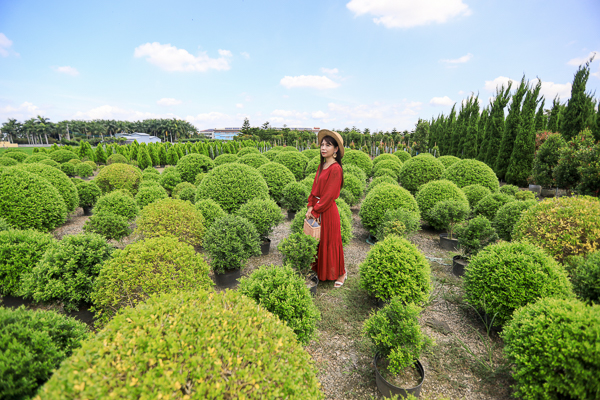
(228, 279)
(535, 188)
(87, 210)
(448, 244)
(458, 265)
(371, 239)
(314, 279)
(84, 314)
(548, 193)
(388, 390)
(265, 246)
(291, 215)
(15, 301)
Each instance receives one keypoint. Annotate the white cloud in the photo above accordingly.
(319, 115)
(22, 112)
(578, 61)
(498, 82)
(245, 55)
(441, 101)
(5, 46)
(167, 101)
(170, 58)
(461, 92)
(239, 105)
(328, 71)
(112, 112)
(214, 119)
(460, 60)
(378, 115)
(313, 81)
(549, 89)
(67, 70)
(289, 113)
(409, 13)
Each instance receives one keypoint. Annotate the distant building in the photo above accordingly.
(139, 136)
(230, 133)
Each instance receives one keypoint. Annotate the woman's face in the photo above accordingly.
(327, 149)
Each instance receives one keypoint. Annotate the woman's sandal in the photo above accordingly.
(338, 284)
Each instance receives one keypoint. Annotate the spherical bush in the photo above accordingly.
(294, 161)
(294, 196)
(254, 160)
(68, 168)
(118, 202)
(550, 340)
(148, 183)
(360, 159)
(523, 195)
(419, 170)
(62, 156)
(383, 157)
(311, 153)
(379, 180)
(94, 165)
(385, 172)
(247, 150)
(350, 169)
(271, 154)
(433, 192)
(84, 170)
(59, 180)
(475, 193)
(354, 185)
(508, 215)
(144, 268)
(313, 165)
(50, 162)
(506, 276)
(400, 222)
(172, 217)
(227, 158)
(396, 268)
(119, 176)
(585, 275)
(34, 158)
(116, 159)
(470, 172)
(381, 199)
(394, 164)
(18, 156)
(490, 204)
(232, 185)
(30, 201)
(150, 194)
(210, 210)
(7, 162)
(181, 186)
(191, 165)
(169, 180)
(110, 226)
(264, 214)
(289, 149)
(150, 176)
(88, 193)
(510, 190)
(75, 161)
(403, 155)
(448, 160)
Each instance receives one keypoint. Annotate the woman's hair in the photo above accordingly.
(338, 157)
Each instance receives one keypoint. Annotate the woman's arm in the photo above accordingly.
(331, 191)
(311, 198)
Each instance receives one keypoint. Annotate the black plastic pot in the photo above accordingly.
(458, 265)
(448, 244)
(265, 246)
(228, 279)
(87, 210)
(371, 239)
(84, 314)
(291, 215)
(313, 289)
(388, 390)
(535, 188)
(15, 301)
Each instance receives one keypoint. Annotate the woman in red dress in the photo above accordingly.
(328, 182)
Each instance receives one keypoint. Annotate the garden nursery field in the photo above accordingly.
(181, 270)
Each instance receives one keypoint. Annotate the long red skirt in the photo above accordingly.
(330, 254)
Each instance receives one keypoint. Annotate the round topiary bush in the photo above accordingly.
(311, 153)
(348, 197)
(562, 226)
(393, 164)
(418, 171)
(210, 210)
(277, 177)
(470, 172)
(294, 196)
(232, 185)
(50, 162)
(181, 186)
(308, 181)
(75, 161)
(254, 160)
(299, 251)
(34, 158)
(446, 214)
(264, 214)
(150, 176)
(59, 180)
(150, 266)
(247, 150)
(180, 338)
(62, 156)
(7, 162)
(313, 165)
(381, 199)
(33, 344)
(433, 192)
(226, 158)
(172, 217)
(118, 202)
(191, 165)
(15, 155)
(84, 170)
(20, 251)
(150, 194)
(283, 292)
(119, 176)
(116, 159)
(508, 215)
(94, 165)
(30, 201)
(230, 241)
(490, 204)
(68, 169)
(400, 222)
(89, 193)
(271, 154)
(476, 234)
(354, 185)
(148, 183)
(448, 160)
(383, 157)
(169, 180)
(360, 159)
(386, 172)
(475, 193)
(294, 161)
(506, 276)
(67, 271)
(379, 180)
(585, 275)
(553, 347)
(403, 155)
(396, 268)
(510, 190)
(524, 195)
(108, 225)
(289, 149)
(350, 169)
(4, 225)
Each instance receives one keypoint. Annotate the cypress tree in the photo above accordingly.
(172, 156)
(133, 150)
(153, 151)
(143, 159)
(596, 129)
(459, 129)
(577, 112)
(482, 138)
(469, 148)
(421, 136)
(495, 125)
(511, 129)
(521, 159)
(179, 150)
(162, 154)
(553, 121)
(540, 118)
(446, 135)
(100, 155)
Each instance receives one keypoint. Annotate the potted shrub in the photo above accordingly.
(419, 170)
(210, 210)
(475, 193)
(434, 192)
(264, 215)
(470, 172)
(397, 341)
(490, 204)
(299, 251)
(295, 196)
(473, 236)
(277, 177)
(400, 222)
(446, 215)
(508, 215)
(89, 193)
(229, 242)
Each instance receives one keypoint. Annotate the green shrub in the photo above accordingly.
(50, 162)
(68, 169)
(4, 225)
(394, 164)
(227, 158)
(119, 176)
(381, 199)
(402, 155)
(386, 172)
(294, 196)
(150, 266)
(20, 251)
(379, 180)
(490, 204)
(264, 214)
(169, 180)
(350, 169)
(172, 217)
(383, 157)
(247, 150)
(524, 195)
(510, 190)
(199, 178)
(299, 251)
(359, 159)
(562, 226)
(396, 334)
(289, 149)
(62, 156)
(585, 276)
(348, 197)
(151, 171)
(508, 215)
(59, 180)
(232, 185)
(506, 276)
(308, 181)
(283, 292)
(271, 154)
(116, 159)
(470, 172)
(400, 222)
(475, 193)
(34, 158)
(343, 208)
(191, 165)
(230, 241)
(254, 160)
(30, 201)
(476, 234)
(89, 193)
(396, 268)
(149, 183)
(294, 161)
(354, 185)
(7, 162)
(150, 194)
(446, 214)
(181, 186)
(418, 171)
(448, 160)
(210, 210)
(434, 192)
(93, 165)
(84, 170)
(277, 178)
(33, 344)
(67, 271)
(118, 202)
(108, 225)
(546, 159)
(75, 161)
(553, 347)
(311, 153)
(15, 155)
(313, 165)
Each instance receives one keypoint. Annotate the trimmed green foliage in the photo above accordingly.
(546, 159)
(506, 276)
(386, 172)
(403, 155)
(579, 109)
(67, 271)
(400, 222)
(264, 214)
(393, 164)
(294, 161)
(490, 204)
(524, 195)
(271, 154)
(360, 159)
(68, 169)
(553, 347)
(379, 180)
(494, 127)
(447, 213)
(232, 185)
(118, 202)
(15, 155)
(59, 180)
(294, 196)
(433, 192)
(4, 225)
(89, 193)
(119, 176)
(34, 158)
(172, 156)
(419, 170)
(199, 179)
(313, 165)
(311, 153)
(354, 186)
(62, 156)
(181, 186)
(381, 199)
(30, 201)
(108, 225)
(210, 210)
(116, 159)
(169, 180)
(33, 344)
(84, 170)
(51, 163)
(299, 251)
(255, 160)
(7, 162)
(585, 276)
(471, 172)
(75, 161)
(508, 215)
(448, 160)
(510, 190)
(20, 251)
(246, 150)
(383, 157)
(350, 169)
(149, 194)
(144, 268)
(227, 158)
(348, 197)
(476, 234)
(283, 292)
(277, 178)
(475, 193)
(191, 165)
(143, 157)
(149, 183)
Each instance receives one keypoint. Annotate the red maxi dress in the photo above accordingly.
(330, 253)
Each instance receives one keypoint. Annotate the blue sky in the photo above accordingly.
(374, 64)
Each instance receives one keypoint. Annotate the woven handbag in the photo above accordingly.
(312, 227)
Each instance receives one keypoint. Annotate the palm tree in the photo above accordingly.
(40, 125)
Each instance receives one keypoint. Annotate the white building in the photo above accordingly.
(139, 136)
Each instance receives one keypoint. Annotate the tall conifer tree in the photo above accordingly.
(481, 135)
(596, 129)
(470, 142)
(99, 154)
(446, 139)
(143, 159)
(540, 118)
(578, 108)
(553, 121)
(495, 125)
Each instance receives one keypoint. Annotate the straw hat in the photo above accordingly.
(335, 135)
